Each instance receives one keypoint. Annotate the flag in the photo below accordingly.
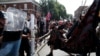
(83, 36)
(48, 16)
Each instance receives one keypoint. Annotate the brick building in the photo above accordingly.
(25, 5)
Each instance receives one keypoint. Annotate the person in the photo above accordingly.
(70, 32)
(2, 9)
(33, 28)
(76, 23)
(2, 24)
(98, 36)
(40, 26)
(56, 36)
(25, 46)
(11, 39)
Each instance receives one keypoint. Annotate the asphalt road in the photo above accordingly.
(44, 49)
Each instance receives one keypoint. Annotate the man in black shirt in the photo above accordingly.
(25, 45)
(11, 39)
(2, 22)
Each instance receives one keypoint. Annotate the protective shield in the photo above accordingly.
(15, 19)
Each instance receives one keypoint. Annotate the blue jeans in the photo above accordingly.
(10, 48)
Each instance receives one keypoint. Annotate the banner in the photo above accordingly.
(83, 37)
(48, 16)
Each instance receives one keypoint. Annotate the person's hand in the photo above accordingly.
(25, 36)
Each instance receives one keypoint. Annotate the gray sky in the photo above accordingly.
(72, 5)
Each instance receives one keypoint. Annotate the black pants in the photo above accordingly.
(98, 49)
(25, 46)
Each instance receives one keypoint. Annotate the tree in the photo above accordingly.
(56, 9)
(69, 17)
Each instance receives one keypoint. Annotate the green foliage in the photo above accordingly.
(56, 9)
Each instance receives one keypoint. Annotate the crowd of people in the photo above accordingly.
(20, 32)
(15, 41)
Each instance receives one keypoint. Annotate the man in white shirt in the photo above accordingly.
(33, 29)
